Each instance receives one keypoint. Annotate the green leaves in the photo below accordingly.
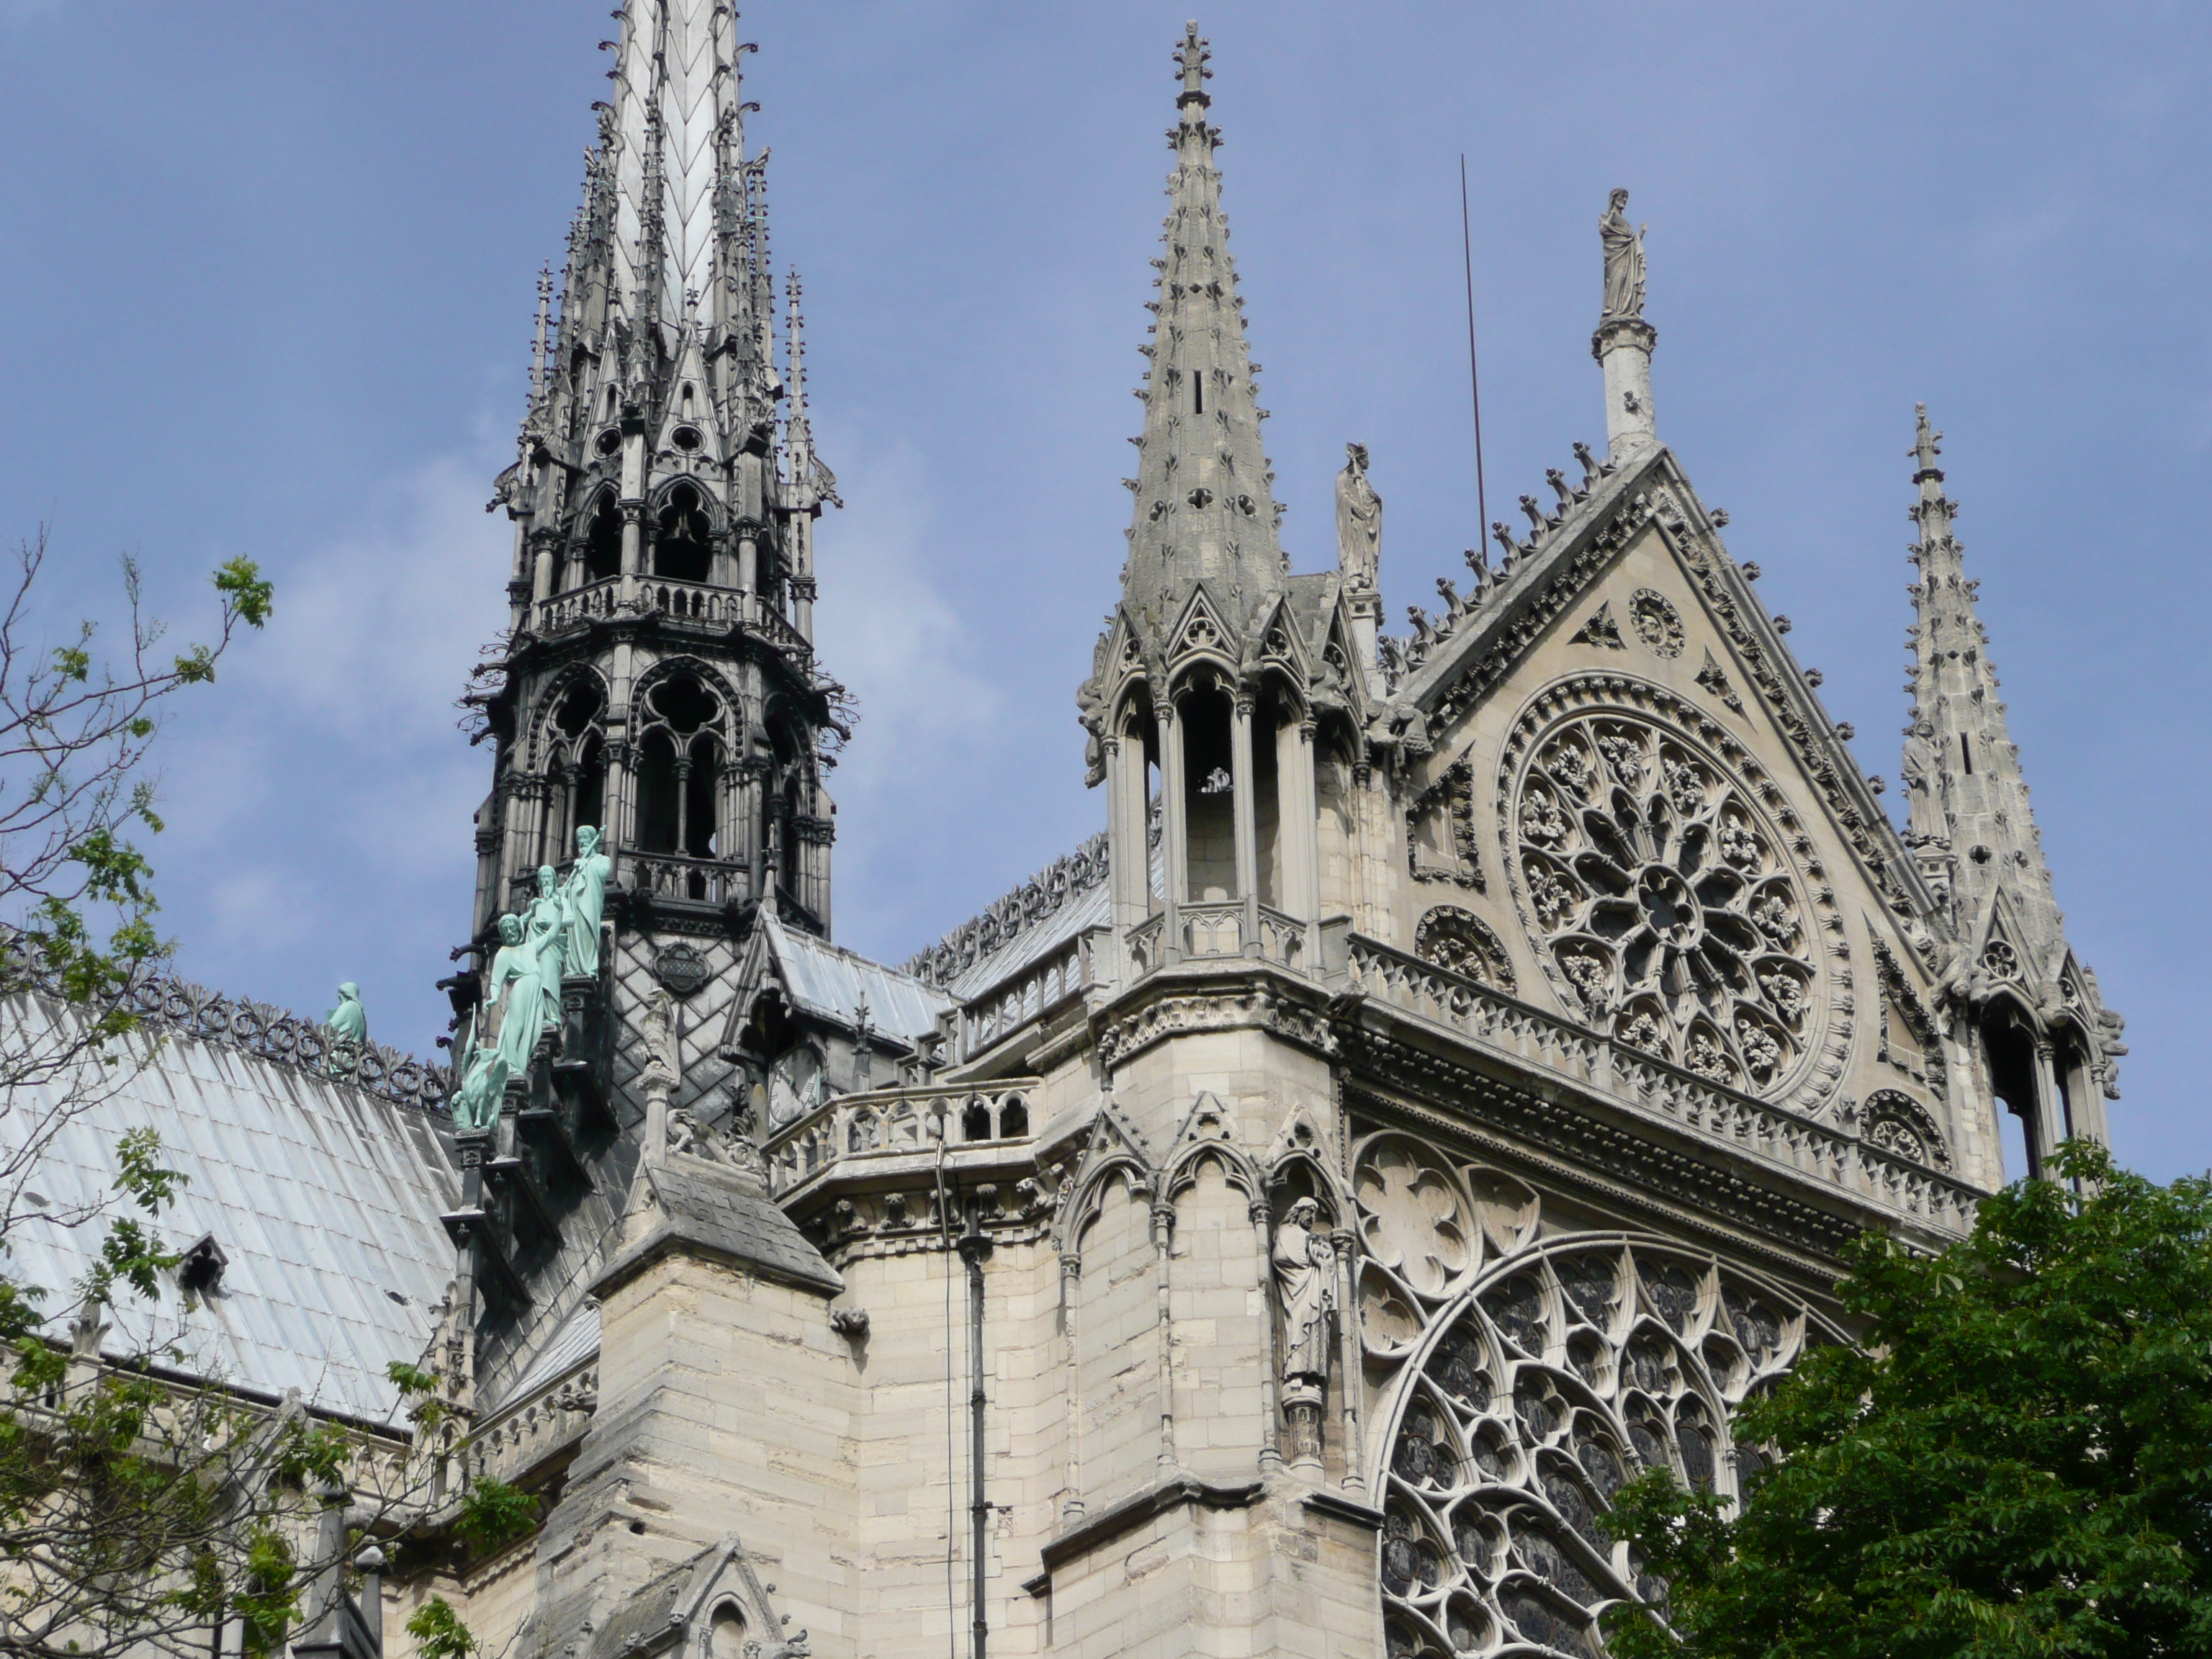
(244, 592)
(438, 1633)
(2018, 1460)
(493, 1515)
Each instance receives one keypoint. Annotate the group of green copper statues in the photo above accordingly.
(556, 937)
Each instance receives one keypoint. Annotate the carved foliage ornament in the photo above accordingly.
(1664, 902)
(1657, 624)
(1566, 1374)
(1461, 942)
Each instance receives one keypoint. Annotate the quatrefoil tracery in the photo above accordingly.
(1663, 901)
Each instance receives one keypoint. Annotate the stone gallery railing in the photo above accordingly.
(1594, 1063)
(691, 602)
(578, 605)
(270, 1033)
(895, 1122)
(1043, 984)
(689, 880)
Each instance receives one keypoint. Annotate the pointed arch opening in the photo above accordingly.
(1208, 784)
(683, 547)
(603, 536)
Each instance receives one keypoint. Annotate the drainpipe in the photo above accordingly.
(975, 1250)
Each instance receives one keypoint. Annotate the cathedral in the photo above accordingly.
(1442, 1091)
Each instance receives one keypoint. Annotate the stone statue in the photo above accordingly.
(1358, 522)
(1624, 260)
(529, 953)
(1306, 1279)
(347, 1025)
(1921, 778)
(586, 897)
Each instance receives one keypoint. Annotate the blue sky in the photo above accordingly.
(269, 268)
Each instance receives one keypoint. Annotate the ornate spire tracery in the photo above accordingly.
(1204, 507)
(1967, 797)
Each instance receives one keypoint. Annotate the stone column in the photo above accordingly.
(1244, 814)
(2051, 1127)
(1070, 1283)
(1347, 1325)
(1622, 346)
(1175, 830)
(1271, 1431)
(1297, 811)
(1126, 855)
(541, 580)
(1164, 1324)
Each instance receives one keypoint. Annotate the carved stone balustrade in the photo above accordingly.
(1225, 929)
(579, 606)
(1591, 1063)
(886, 1125)
(697, 605)
(670, 877)
(529, 1430)
(1039, 988)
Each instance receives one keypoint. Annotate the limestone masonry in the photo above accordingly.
(1278, 1228)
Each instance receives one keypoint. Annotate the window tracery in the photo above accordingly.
(1899, 1125)
(1662, 899)
(1561, 1375)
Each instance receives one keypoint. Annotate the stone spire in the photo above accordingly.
(1971, 823)
(1205, 503)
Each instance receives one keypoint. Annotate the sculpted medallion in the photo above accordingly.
(1661, 894)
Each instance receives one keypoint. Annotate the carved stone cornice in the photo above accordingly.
(1170, 1005)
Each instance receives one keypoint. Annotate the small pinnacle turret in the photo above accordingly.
(1969, 815)
(1204, 507)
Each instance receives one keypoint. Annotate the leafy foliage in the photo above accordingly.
(438, 1633)
(76, 897)
(2017, 1461)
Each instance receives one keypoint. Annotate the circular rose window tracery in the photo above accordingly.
(1662, 898)
(1562, 1378)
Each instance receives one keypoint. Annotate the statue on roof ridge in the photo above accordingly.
(1358, 522)
(1623, 259)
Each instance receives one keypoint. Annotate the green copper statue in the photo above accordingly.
(347, 1025)
(518, 981)
(482, 1080)
(586, 899)
(550, 909)
(348, 1021)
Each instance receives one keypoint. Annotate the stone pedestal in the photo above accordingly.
(1622, 346)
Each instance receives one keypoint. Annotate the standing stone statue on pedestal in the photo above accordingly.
(1305, 1283)
(1624, 260)
(529, 957)
(1359, 523)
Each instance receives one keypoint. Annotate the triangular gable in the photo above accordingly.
(1556, 581)
(1199, 629)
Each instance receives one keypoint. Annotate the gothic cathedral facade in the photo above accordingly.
(1442, 1091)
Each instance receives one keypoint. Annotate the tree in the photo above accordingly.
(2017, 1459)
(77, 899)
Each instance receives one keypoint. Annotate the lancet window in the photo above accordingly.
(575, 767)
(683, 547)
(599, 555)
(682, 748)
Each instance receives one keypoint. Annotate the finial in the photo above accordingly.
(1191, 59)
(1926, 447)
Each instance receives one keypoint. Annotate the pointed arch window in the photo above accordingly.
(575, 769)
(681, 754)
(602, 549)
(682, 544)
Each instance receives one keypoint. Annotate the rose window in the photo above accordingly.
(1562, 1378)
(1663, 901)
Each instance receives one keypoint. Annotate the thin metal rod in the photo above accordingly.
(1473, 374)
